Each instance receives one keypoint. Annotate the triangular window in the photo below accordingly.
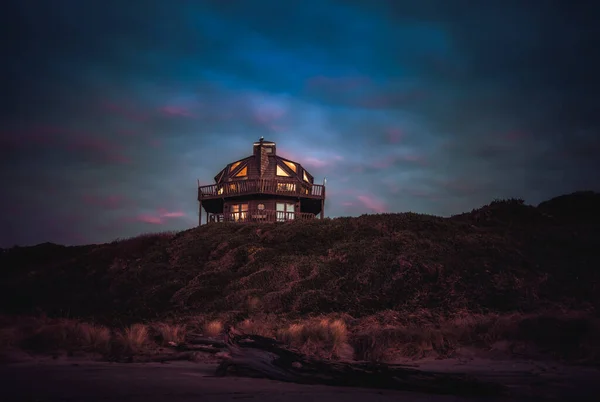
(281, 172)
(243, 172)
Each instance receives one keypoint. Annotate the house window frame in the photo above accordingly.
(286, 214)
(239, 212)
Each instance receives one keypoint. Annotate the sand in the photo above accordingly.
(41, 379)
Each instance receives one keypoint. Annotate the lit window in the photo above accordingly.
(281, 172)
(234, 165)
(243, 172)
(220, 190)
(305, 176)
(291, 165)
(269, 150)
(239, 212)
(286, 187)
(260, 207)
(285, 211)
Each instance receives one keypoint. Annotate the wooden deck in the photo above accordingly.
(260, 216)
(261, 186)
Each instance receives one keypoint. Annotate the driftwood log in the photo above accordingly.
(257, 356)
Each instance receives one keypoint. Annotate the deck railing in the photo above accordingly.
(261, 186)
(261, 215)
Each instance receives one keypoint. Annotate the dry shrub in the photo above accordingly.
(384, 344)
(256, 327)
(132, 339)
(170, 333)
(322, 337)
(95, 338)
(213, 328)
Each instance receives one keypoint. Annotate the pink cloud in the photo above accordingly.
(155, 143)
(394, 135)
(372, 203)
(176, 111)
(160, 217)
(312, 161)
(109, 202)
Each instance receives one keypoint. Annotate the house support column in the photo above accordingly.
(200, 213)
(323, 204)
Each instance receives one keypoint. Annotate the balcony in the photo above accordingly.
(261, 186)
(262, 215)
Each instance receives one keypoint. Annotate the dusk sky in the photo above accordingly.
(111, 110)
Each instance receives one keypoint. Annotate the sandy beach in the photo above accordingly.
(79, 379)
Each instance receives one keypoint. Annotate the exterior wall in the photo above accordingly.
(270, 204)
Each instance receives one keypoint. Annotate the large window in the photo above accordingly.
(291, 165)
(239, 212)
(285, 211)
(305, 177)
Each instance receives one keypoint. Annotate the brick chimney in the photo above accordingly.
(262, 150)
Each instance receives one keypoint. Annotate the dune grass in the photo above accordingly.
(505, 276)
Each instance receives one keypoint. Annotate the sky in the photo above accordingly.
(110, 111)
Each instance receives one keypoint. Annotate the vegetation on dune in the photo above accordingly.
(428, 283)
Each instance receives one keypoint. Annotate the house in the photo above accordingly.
(263, 187)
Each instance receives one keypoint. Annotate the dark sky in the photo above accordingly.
(111, 110)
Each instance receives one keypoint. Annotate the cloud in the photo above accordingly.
(176, 111)
(372, 203)
(434, 106)
(160, 217)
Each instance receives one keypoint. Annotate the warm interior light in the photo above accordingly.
(281, 172)
(291, 165)
(286, 187)
(234, 165)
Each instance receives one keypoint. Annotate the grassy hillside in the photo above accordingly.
(403, 268)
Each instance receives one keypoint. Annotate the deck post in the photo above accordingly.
(206, 216)
(199, 213)
(323, 203)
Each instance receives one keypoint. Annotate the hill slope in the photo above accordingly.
(503, 257)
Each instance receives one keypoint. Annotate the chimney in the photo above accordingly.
(262, 150)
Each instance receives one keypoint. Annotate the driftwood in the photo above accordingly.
(199, 340)
(256, 356)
